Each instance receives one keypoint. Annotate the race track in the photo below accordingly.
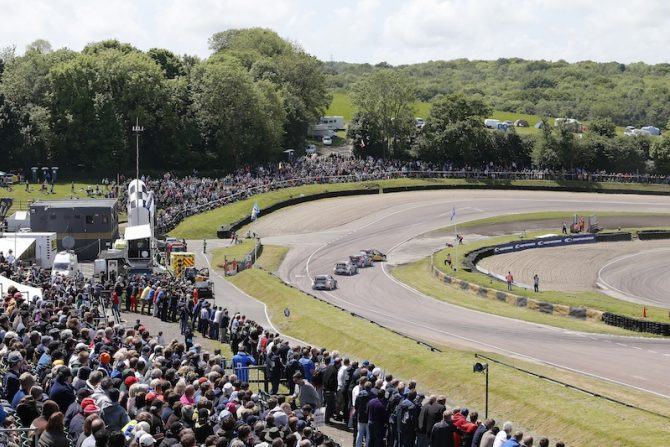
(321, 233)
(631, 268)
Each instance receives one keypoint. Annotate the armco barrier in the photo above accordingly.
(646, 235)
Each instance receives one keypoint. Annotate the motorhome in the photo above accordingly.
(333, 122)
(66, 264)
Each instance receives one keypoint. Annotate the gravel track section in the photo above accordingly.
(569, 269)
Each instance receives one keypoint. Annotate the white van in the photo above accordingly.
(65, 264)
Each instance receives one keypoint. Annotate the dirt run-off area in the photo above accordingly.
(574, 268)
(606, 223)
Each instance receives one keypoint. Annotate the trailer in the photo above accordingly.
(46, 246)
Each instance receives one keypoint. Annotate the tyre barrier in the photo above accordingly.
(647, 235)
(633, 324)
(614, 237)
(581, 313)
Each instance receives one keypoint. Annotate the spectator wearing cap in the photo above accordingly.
(61, 391)
(12, 380)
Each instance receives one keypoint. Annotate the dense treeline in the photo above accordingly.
(257, 94)
(253, 97)
(634, 94)
(384, 126)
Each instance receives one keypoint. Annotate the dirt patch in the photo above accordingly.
(571, 269)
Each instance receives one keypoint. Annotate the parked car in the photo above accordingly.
(310, 149)
(345, 268)
(324, 282)
(375, 255)
(327, 141)
(362, 260)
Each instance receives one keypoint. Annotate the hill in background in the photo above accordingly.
(634, 94)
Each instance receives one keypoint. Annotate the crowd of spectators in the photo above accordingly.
(74, 375)
(178, 198)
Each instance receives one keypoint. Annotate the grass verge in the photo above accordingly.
(590, 299)
(237, 251)
(540, 407)
(204, 225)
(272, 257)
(418, 276)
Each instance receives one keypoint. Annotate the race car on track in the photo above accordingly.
(324, 282)
(345, 268)
(375, 255)
(362, 260)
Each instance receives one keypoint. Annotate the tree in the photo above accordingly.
(385, 101)
(172, 66)
(234, 114)
(455, 131)
(40, 45)
(297, 77)
(604, 127)
(660, 154)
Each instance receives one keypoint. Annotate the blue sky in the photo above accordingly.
(361, 31)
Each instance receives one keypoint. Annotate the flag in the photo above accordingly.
(255, 211)
(453, 213)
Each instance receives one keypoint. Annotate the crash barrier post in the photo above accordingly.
(569, 385)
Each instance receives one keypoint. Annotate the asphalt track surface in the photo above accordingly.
(321, 233)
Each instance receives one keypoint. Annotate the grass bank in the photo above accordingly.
(204, 225)
(590, 299)
(538, 406)
(23, 198)
(418, 276)
(237, 251)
